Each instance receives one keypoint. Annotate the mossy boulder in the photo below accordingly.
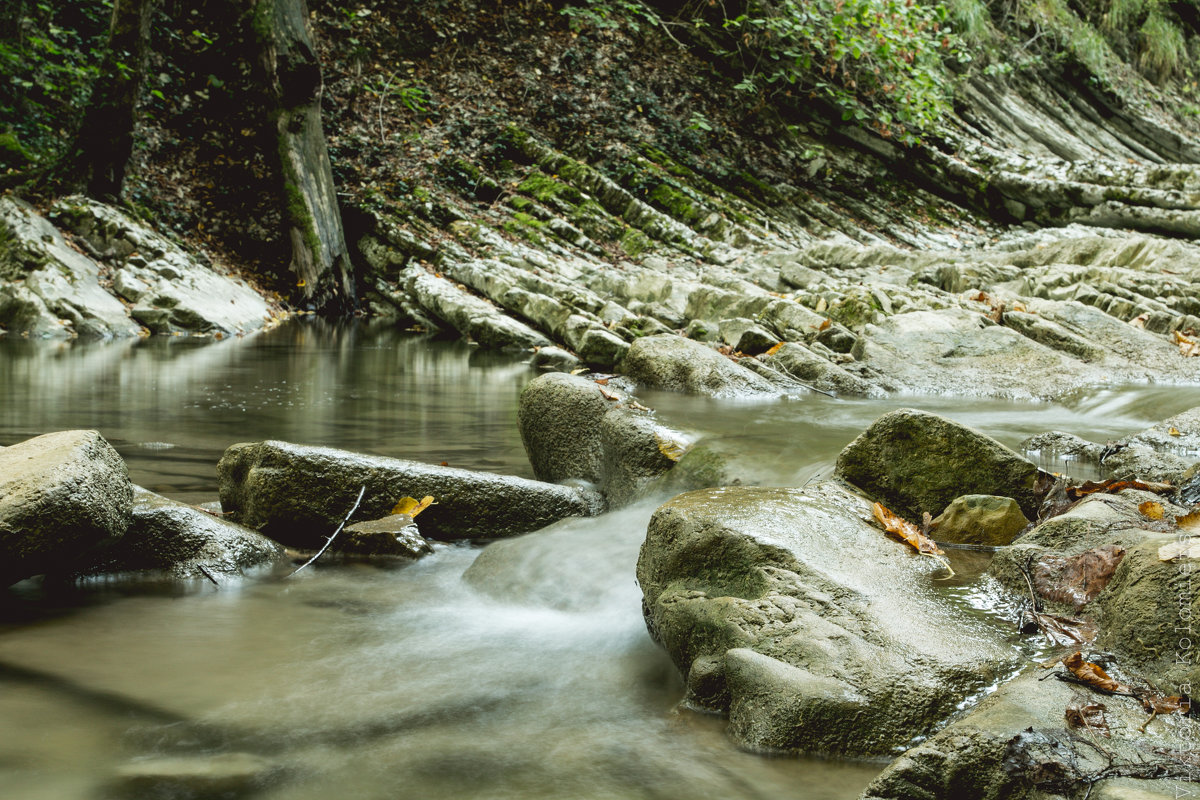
(813, 630)
(559, 416)
(913, 461)
(982, 519)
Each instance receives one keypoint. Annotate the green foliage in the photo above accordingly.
(47, 69)
(1163, 49)
(880, 61)
(972, 21)
(609, 14)
(1123, 14)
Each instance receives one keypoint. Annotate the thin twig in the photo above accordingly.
(208, 575)
(333, 535)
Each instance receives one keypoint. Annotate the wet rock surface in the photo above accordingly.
(791, 612)
(182, 541)
(980, 519)
(60, 495)
(682, 365)
(298, 495)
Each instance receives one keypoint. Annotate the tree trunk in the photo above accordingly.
(292, 78)
(105, 140)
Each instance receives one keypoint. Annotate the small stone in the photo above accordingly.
(984, 519)
(393, 535)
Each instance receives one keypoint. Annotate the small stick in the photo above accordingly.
(208, 575)
(333, 535)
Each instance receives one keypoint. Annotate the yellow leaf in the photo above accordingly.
(671, 448)
(825, 325)
(904, 530)
(774, 349)
(1174, 431)
(412, 506)
(1151, 510)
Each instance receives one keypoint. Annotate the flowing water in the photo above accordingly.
(358, 681)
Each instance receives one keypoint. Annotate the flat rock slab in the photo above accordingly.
(298, 495)
(682, 365)
(813, 629)
(60, 494)
(913, 461)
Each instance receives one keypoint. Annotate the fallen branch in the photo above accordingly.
(333, 535)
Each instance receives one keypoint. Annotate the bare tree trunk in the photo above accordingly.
(102, 147)
(292, 78)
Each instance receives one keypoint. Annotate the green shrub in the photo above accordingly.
(1163, 52)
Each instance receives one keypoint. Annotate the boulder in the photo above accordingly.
(1017, 744)
(682, 365)
(746, 336)
(471, 315)
(559, 416)
(1161, 453)
(183, 541)
(60, 494)
(298, 495)
(913, 461)
(636, 450)
(1055, 451)
(555, 359)
(393, 535)
(813, 629)
(981, 519)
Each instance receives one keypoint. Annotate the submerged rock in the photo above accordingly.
(60, 494)
(682, 365)
(183, 542)
(806, 623)
(913, 461)
(298, 495)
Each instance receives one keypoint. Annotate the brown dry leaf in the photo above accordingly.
(1111, 486)
(1063, 631)
(774, 349)
(1162, 704)
(1079, 579)
(609, 395)
(1174, 431)
(1091, 674)
(1139, 321)
(1019, 306)
(1151, 510)
(826, 325)
(671, 448)
(1187, 347)
(602, 381)
(411, 506)
(1185, 548)
(905, 531)
(1189, 520)
(1087, 715)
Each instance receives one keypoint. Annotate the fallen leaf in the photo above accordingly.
(1174, 431)
(774, 349)
(1151, 510)
(1161, 704)
(1077, 581)
(1187, 347)
(671, 448)
(1087, 715)
(1059, 631)
(411, 506)
(1139, 321)
(1091, 674)
(905, 530)
(603, 381)
(609, 395)
(1187, 548)
(826, 325)
(580, 371)
(1189, 520)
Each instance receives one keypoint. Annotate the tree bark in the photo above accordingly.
(104, 142)
(292, 78)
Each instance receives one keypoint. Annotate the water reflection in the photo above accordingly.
(370, 683)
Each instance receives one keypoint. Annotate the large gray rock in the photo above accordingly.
(812, 628)
(1162, 452)
(820, 373)
(682, 365)
(60, 494)
(913, 461)
(182, 541)
(1016, 744)
(297, 494)
(559, 416)
(471, 315)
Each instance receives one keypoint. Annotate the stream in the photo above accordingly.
(367, 681)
